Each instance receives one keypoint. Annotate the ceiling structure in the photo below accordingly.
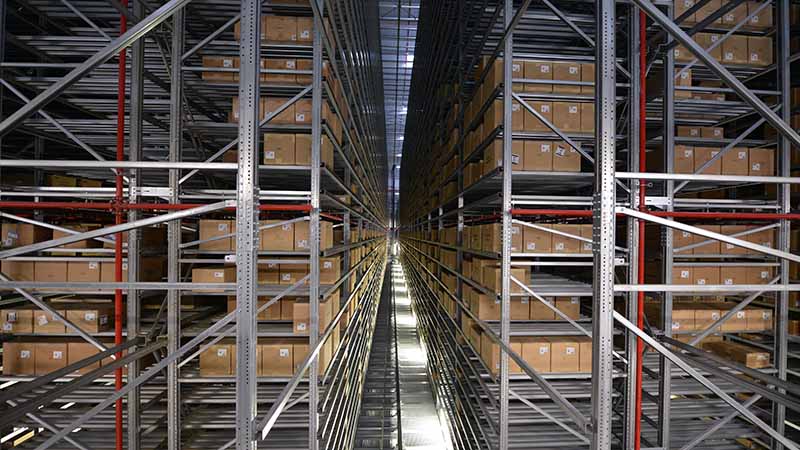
(398, 36)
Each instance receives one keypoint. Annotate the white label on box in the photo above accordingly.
(8, 327)
(92, 266)
(766, 315)
(574, 300)
(764, 274)
(227, 63)
(729, 18)
(294, 37)
(742, 155)
(222, 227)
(713, 154)
(740, 314)
(219, 274)
(103, 320)
(516, 68)
(728, 56)
(676, 325)
(701, 281)
(542, 350)
(13, 235)
(714, 316)
(89, 316)
(559, 246)
(688, 153)
(545, 108)
(756, 166)
(286, 276)
(544, 68)
(728, 281)
(124, 266)
(685, 234)
(300, 117)
(570, 350)
(514, 159)
(8, 242)
(573, 109)
(573, 70)
(284, 352)
(269, 155)
(286, 227)
(305, 34)
(11, 316)
(694, 132)
(230, 258)
(301, 326)
(43, 320)
(272, 265)
(302, 243)
(222, 352)
(754, 19)
(684, 274)
(327, 265)
(290, 64)
(684, 75)
(57, 354)
(24, 354)
(676, 52)
(515, 107)
(531, 246)
(753, 56)
(545, 148)
(561, 151)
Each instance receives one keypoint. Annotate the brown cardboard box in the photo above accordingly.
(564, 354)
(325, 235)
(733, 275)
(712, 132)
(735, 16)
(706, 275)
(47, 323)
(226, 62)
(536, 352)
(517, 72)
(759, 275)
(217, 361)
(734, 50)
(762, 161)
(585, 354)
(484, 306)
(19, 358)
(490, 237)
(278, 358)
(713, 247)
(18, 270)
(277, 238)
(276, 64)
(682, 275)
(326, 152)
(730, 249)
(16, 321)
(532, 123)
(305, 29)
(301, 316)
(704, 316)
(78, 271)
(681, 239)
(690, 131)
(744, 354)
(567, 116)
(282, 29)
(763, 19)
(587, 75)
(20, 234)
(82, 228)
(757, 319)
(234, 115)
(708, 9)
(279, 149)
(330, 270)
(492, 278)
(566, 71)
(91, 320)
(737, 322)
(286, 117)
(706, 40)
(683, 80)
(213, 228)
(681, 54)
(759, 50)
(518, 114)
(50, 357)
(564, 244)
(292, 273)
(213, 275)
(301, 236)
(490, 352)
(684, 159)
(569, 306)
(540, 311)
(538, 70)
(302, 149)
(520, 308)
(587, 117)
(586, 232)
(54, 272)
(287, 308)
(302, 111)
(566, 158)
(78, 351)
(681, 6)
(765, 238)
(61, 181)
(538, 156)
(735, 161)
(273, 312)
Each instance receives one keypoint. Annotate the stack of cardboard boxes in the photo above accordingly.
(275, 357)
(545, 354)
(736, 161)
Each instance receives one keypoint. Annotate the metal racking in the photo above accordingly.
(158, 138)
(673, 394)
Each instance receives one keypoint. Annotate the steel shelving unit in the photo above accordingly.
(115, 91)
(667, 396)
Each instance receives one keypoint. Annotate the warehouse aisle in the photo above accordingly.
(420, 425)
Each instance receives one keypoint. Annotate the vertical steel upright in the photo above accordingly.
(247, 225)
(505, 301)
(174, 232)
(781, 343)
(314, 294)
(668, 139)
(604, 225)
(134, 236)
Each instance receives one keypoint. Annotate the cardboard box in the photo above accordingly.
(587, 117)
(287, 308)
(490, 352)
(78, 271)
(681, 6)
(567, 116)
(713, 247)
(587, 75)
(277, 358)
(759, 275)
(16, 320)
(213, 275)
(538, 70)
(278, 64)
(286, 117)
(586, 232)
(91, 320)
(214, 228)
(226, 62)
(585, 354)
(536, 352)
(330, 270)
(81, 228)
(47, 323)
(234, 115)
(14, 234)
(564, 354)
(730, 249)
(569, 306)
(566, 158)
(759, 50)
(517, 72)
(305, 29)
(684, 159)
(493, 281)
(279, 149)
(706, 275)
(292, 273)
(708, 9)
(540, 311)
(19, 358)
(532, 123)
(218, 361)
(735, 16)
(53, 272)
(765, 238)
(735, 161)
(18, 270)
(740, 353)
(277, 238)
(50, 357)
(520, 308)
(301, 318)
(757, 319)
(687, 131)
(538, 156)
(737, 322)
(280, 29)
(566, 71)
(301, 236)
(490, 237)
(762, 161)
(682, 275)
(302, 111)
(681, 239)
(712, 132)
(763, 19)
(735, 50)
(78, 351)
(302, 149)
(704, 317)
(683, 80)
(564, 244)
(733, 275)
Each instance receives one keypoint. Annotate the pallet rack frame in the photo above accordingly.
(359, 79)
